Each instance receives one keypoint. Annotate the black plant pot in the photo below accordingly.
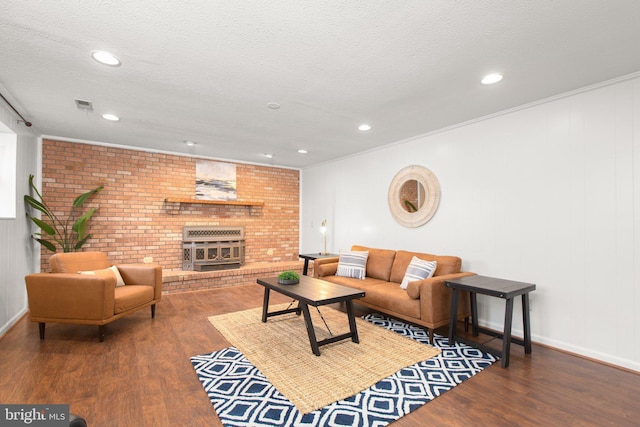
(288, 281)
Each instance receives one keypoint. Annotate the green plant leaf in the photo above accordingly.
(79, 227)
(68, 238)
(83, 197)
(47, 244)
(82, 242)
(87, 215)
(288, 275)
(36, 204)
(81, 223)
(410, 206)
(33, 186)
(44, 226)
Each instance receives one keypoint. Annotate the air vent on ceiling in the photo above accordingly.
(84, 105)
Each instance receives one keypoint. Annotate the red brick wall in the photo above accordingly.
(133, 222)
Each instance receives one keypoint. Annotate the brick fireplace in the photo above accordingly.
(133, 222)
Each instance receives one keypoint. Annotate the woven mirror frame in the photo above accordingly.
(409, 213)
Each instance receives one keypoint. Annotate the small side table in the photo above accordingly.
(311, 257)
(500, 288)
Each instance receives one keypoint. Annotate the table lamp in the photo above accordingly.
(323, 230)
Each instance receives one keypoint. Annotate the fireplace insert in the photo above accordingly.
(207, 248)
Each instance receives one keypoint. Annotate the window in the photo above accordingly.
(8, 143)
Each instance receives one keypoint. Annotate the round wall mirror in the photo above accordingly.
(414, 196)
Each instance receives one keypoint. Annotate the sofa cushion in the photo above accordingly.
(363, 285)
(352, 264)
(418, 269)
(446, 264)
(322, 269)
(389, 296)
(379, 262)
(131, 296)
(72, 262)
(383, 294)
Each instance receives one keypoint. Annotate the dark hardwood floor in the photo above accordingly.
(141, 374)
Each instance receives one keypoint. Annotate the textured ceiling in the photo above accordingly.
(204, 70)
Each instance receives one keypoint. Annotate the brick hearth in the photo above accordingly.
(181, 281)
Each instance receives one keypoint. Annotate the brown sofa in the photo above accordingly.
(65, 296)
(425, 302)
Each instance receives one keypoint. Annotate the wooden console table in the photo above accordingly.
(500, 288)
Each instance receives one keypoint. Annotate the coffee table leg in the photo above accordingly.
(315, 348)
(506, 337)
(352, 322)
(265, 304)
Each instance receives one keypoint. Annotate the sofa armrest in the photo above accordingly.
(325, 267)
(435, 298)
(70, 296)
(143, 274)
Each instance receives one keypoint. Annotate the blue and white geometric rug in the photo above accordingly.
(242, 396)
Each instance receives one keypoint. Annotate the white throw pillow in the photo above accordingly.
(353, 264)
(111, 271)
(418, 269)
(116, 272)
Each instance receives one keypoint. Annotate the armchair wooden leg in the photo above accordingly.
(431, 333)
(153, 311)
(41, 327)
(101, 333)
(466, 324)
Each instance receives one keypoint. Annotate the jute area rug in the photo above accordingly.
(280, 349)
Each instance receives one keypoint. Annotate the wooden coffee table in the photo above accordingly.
(313, 292)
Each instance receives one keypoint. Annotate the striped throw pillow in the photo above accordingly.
(418, 269)
(353, 264)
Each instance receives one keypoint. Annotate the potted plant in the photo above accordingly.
(288, 278)
(70, 236)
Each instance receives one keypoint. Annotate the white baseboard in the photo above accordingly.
(563, 346)
(12, 321)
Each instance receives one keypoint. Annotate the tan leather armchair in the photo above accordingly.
(66, 296)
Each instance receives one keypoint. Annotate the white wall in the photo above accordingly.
(547, 194)
(18, 255)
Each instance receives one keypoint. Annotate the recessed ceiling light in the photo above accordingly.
(302, 151)
(190, 143)
(268, 155)
(105, 58)
(111, 117)
(273, 105)
(364, 127)
(490, 79)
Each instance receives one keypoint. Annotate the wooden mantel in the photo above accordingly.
(214, 202)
